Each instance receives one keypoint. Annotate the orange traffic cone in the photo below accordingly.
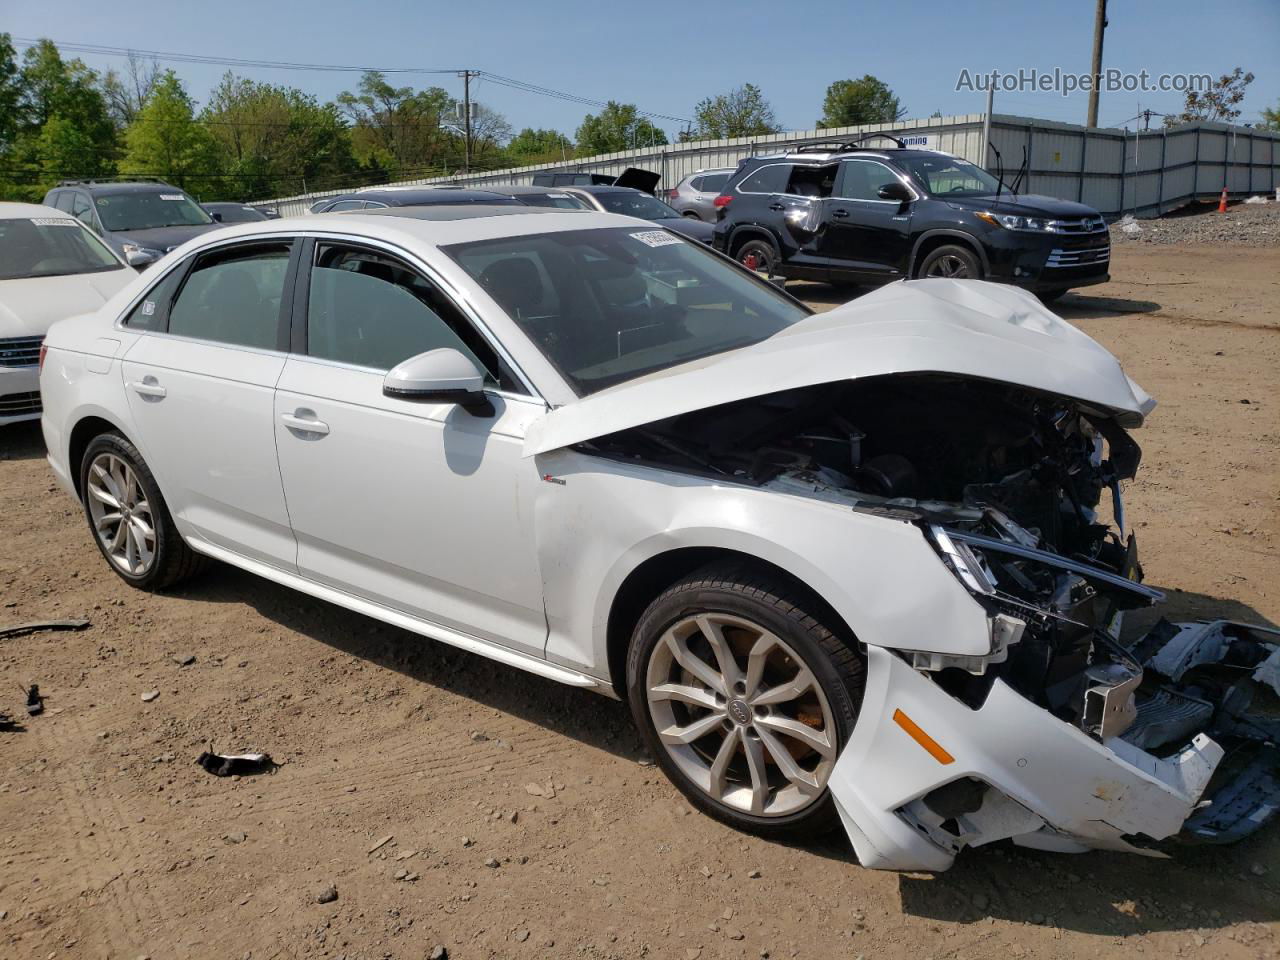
(1222, 201)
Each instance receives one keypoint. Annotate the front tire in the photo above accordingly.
(745, 693)
(129, 519)
(953, 262)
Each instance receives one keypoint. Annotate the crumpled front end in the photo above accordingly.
(1192, 760)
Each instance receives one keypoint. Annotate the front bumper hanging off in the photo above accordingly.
(925, 776)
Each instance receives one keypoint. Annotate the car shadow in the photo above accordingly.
(22, 441)
(1083, 306)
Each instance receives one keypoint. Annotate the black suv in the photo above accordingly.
(856, 215)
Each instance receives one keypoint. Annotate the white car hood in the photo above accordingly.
(984, 330)
(30, 306)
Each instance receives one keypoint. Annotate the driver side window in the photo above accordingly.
(371, 310)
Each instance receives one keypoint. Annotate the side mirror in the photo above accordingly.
(140, 258)
(217, 217)
(894, 191)
(439, 376)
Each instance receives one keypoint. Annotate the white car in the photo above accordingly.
(51, 267)
(847, 568)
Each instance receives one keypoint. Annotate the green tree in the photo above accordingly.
(1219, 102)
(166, 141)
(849, 103)
(10, 94)
(539, 146)
(397, 128)
(1271, 118)
(272, 139)
(618, 126)
(742, 112)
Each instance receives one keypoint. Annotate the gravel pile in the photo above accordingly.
(1244, 224)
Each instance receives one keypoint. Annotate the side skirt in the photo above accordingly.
(426, 628)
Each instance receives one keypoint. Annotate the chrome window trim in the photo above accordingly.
(460, 300)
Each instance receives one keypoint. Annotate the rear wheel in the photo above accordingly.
(691, 214)
(758, 255)
(129, 519)
(953, 262)
(745, 698)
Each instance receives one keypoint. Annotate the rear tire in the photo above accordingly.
(953, 262)
(692, 215)
(758, 255)
(128, 518)
(799, 701)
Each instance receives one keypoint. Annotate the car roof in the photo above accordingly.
(600, 188)
(443, 211)
(126, 186)
(523, 190)
(821, 156)
(25, 211)
(224, 203)
(428, 195)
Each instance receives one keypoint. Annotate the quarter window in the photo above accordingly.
(371, 310)
(81, 210)
(152, 311)
(768, 179)
(233, 296)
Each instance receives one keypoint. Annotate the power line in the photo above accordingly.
(500, 80)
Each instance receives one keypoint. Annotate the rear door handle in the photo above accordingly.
(148, 387)
(841, 213)
(304, 422)
(776, 206)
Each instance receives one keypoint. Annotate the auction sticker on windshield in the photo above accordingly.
(171, 196)
(656, 238)
(54, 222)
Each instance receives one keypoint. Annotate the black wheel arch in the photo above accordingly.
(930, 239)
(752, 231)
(82, 434)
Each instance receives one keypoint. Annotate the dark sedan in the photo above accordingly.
(636, 203)
(406, 197)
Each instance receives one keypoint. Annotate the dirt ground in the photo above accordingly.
(115, 844)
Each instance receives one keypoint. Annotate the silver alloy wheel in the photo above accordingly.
(948, 265)
(121, 514)
(741, 714)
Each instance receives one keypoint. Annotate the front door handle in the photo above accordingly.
(304, 421)
(148, 387)
(840, 214)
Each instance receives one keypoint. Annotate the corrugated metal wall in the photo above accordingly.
(1114, 171)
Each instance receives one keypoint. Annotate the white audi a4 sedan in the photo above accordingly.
(865, 568)
(51, 267)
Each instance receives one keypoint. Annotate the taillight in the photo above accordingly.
(43, 351)
(722, 201)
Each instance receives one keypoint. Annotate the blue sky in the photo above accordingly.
(666, 56)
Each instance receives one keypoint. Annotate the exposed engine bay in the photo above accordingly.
(1009, 485)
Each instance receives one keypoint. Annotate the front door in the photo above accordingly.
(200, 383)
(422, 507)
(864, 235)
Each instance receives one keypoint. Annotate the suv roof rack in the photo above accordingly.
(120, 179)
(836, 146)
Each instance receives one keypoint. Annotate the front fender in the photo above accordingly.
(607, 517)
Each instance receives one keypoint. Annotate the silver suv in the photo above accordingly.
(694, 195)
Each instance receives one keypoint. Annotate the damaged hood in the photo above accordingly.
(968, 328)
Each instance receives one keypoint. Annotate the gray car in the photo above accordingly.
(695, 195)
(141, 221)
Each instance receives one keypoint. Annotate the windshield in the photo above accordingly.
(636, 204)
(51, 247)
(950, 176)
(145, 210)
(234, 213)
(606, 306)
(561, 200)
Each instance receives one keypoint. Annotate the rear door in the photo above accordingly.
(200, 385)
(862, 234)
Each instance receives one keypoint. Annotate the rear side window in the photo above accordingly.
(346, 205)
(81, 210)
(713, 182)
(808, 181)
(696, 184)
(233, 296)
(771, 178)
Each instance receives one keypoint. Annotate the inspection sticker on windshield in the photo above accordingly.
(53, 222)
(656, 238)
(171, 196)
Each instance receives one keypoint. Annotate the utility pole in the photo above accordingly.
(986, 123)
(466, 117)
(1099, 26)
